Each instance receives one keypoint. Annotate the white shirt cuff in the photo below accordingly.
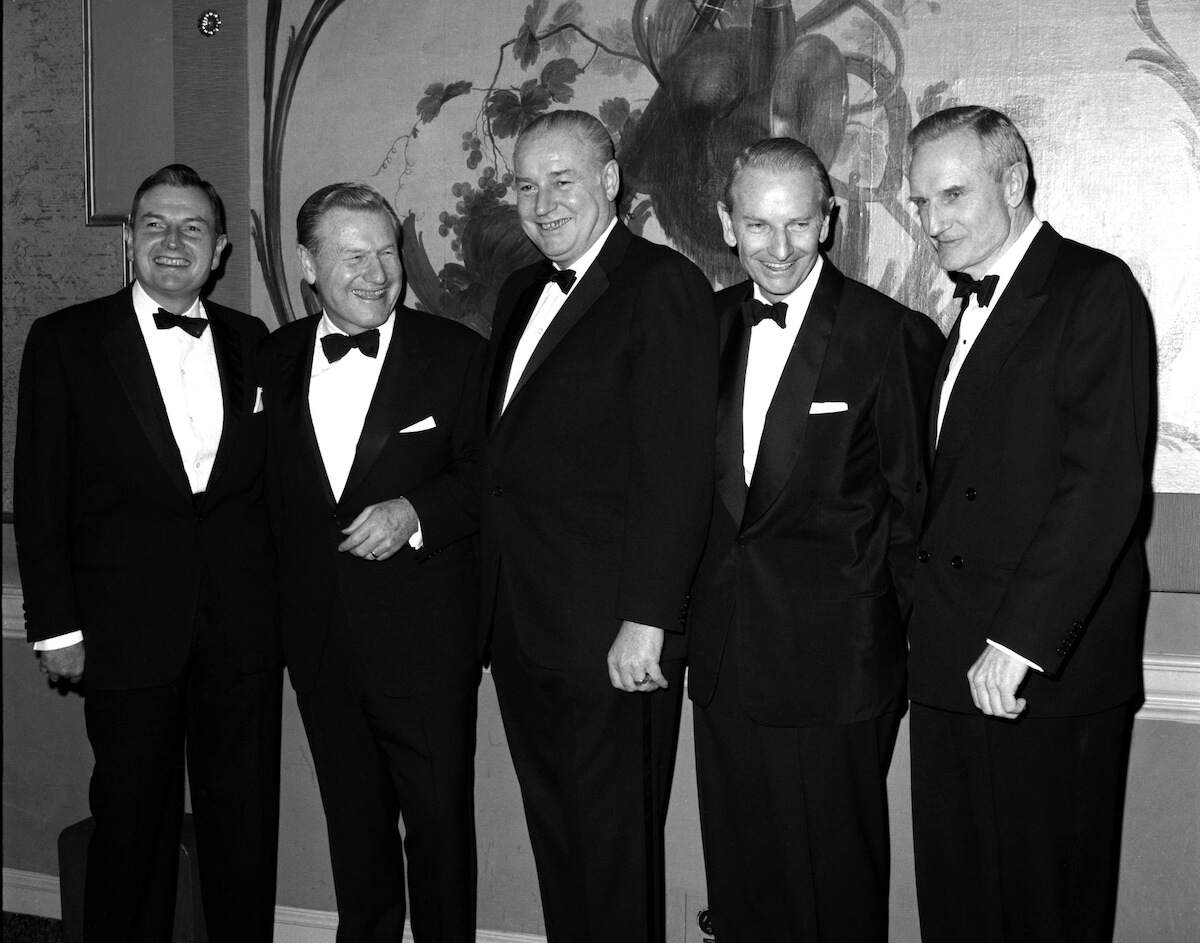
(417, 540)
(59, 641)
(1020, 658)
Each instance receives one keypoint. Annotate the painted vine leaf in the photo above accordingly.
(557, 77)
(510, 111)
(437, 95)
(527, 46)
(565, 13)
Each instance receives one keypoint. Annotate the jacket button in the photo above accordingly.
(956, 562)
(497, 492)
(923, 556)
(970, 494)
(920, 487)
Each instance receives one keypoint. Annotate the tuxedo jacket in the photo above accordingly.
(806, 573)
(407, 623)
(597, 476)
(109, 538)
(1029, 536)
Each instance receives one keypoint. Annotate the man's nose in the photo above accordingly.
(544, 203)
(780, 248)
(375, 272)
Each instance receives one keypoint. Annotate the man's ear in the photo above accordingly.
(1016, 180)
(610, 176)
(726, 225)
(308, 264)
(219, 248)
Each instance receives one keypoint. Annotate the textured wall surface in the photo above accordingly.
(50, 258)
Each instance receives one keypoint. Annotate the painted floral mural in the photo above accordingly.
(682, 85)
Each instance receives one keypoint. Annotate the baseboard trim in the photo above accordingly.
(28, 892)
(1172, 688)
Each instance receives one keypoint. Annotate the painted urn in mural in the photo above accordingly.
(727, 77)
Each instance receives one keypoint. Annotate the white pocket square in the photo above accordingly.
(818, 408)
(426, 423)
(258, 407)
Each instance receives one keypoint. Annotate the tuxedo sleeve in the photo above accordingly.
(1102, 391)
(901, 416)
(672, 414)
(42, 488)
(447, 505)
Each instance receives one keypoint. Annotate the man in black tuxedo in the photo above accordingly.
(1025, 666)
(601, 383)
(143, 545)
(796, 637)
(372, 484)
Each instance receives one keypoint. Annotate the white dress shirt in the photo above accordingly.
(548, 305)
(339, 395)
(770, 347)
(186, 370)
(974, 317)
(970, 325)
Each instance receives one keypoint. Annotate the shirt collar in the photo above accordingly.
(326, 327)
(584, 262)
(1008, 262)
(145, 307)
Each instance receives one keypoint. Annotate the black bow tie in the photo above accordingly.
(755, 311)
(965, 286)
(564, 279)
(336, 346)
(164, 320)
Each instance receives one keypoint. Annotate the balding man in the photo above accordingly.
(796, 642)
(372, 482)
(1025, 663)
(601, 385)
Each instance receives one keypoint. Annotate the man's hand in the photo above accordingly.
(994, 679)
(380, 530)
(633, 658)
(63, 664)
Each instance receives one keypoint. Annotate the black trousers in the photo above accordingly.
(379, 758)
(1017, 825)
(594, 765)
(794, 822)
(227, 720)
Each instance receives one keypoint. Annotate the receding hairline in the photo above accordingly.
(810, 174)
(595, 156)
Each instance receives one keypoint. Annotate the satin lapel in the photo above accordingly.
(1005, 326)
(126, 349)
(587, 290)
(231, 368)
(507, 349)
(935, 401)
(731, 469)
(787, 417)
(400, 381)
(295, 379)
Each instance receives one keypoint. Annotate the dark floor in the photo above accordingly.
(22, 928)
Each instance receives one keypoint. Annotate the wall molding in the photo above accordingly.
(1172, 688)
(1172, 681)
(27, 892)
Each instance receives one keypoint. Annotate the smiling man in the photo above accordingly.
(146, 566)
(373, 488)
(601, 384)
(796, 638)
(1025, 663)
